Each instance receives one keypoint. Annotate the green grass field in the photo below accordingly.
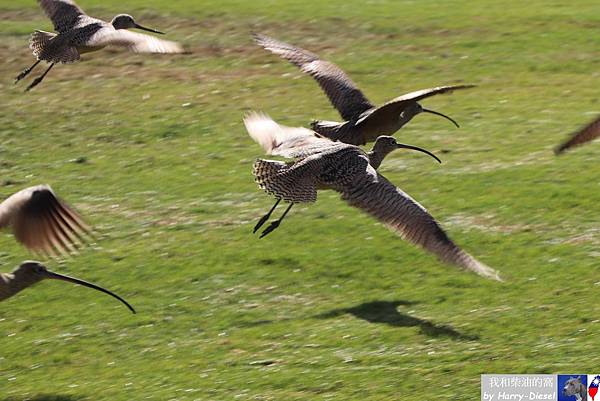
(332, 306)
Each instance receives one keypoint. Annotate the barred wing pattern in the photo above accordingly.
(381, 199)
(42, 222)
(133, 41)
(394, 107)
(294, 183)
(339, 88)
(586, 134)
(63, 13)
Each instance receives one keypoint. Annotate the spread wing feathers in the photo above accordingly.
(133, 41)
(339, 88)
(63, 13)
(42, 222)
(402, 214)
(395, 106)
(586, 134)
(279, 140)
(295, 183)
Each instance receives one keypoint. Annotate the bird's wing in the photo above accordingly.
(42, 222)
(586, 134)
(339, 88)
(279, 140)
(395, 106)
(375, 195)
(63, 13)
(133, 41)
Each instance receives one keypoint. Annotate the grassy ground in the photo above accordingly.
(331, 306)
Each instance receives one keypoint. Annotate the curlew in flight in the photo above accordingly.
(585, 134)
(44, 224)
(79, 33)
(364, 122)
(323, 164)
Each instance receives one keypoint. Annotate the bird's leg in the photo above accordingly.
(39, 79)
(276, 223)
(26, 72)
(265, 217)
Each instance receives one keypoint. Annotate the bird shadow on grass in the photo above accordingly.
(387, 312)
(44, 397)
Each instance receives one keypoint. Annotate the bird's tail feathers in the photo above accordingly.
(279, 180)
(38, 42)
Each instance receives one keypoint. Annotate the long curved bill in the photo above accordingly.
(441, 115)
(148, 29)
(57, 276)
(403, 146)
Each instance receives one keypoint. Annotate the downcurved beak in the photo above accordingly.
(148, 29)
(441, 115)
(56, 276)
(403, 146)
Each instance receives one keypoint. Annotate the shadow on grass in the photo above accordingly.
(44, 397)
(387, 312)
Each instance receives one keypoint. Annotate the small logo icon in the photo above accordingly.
(594, 384)
(572, 387)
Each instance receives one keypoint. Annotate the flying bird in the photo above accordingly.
(30, 272)
(364, 121)
(585, 134)
(79, 33)
(44, 224)
(320, 163)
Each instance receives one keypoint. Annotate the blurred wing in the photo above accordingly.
(284, 141)
(133, 41)
(586, 134)
(402, 214)
(395, 106)
(62, 13)
(339, 88)
(42, 222)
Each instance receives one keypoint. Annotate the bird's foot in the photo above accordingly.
(34, 84)
(270, 228)
(22, 75)
(260, 223)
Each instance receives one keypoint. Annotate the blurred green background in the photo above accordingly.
(331, 306)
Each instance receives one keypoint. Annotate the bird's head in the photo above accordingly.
(385, 144)
(31, 272)
(126, 21)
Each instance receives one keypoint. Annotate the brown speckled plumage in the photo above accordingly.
(347, 169)
(364, 121)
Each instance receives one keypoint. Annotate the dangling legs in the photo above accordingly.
(276, 223)
(39, 79)
(265, 217)
(26, 72)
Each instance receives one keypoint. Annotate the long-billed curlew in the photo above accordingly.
(44, 224)
(79, 33)
(30, 272)
(585, 134)
(323, 164)
(364, 122)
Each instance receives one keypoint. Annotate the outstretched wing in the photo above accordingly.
(381, 199)
(339, 88)
(42, 222)
(63, 13)
(279, 140)
(133, 41)
(586, 134)
(394, 107)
